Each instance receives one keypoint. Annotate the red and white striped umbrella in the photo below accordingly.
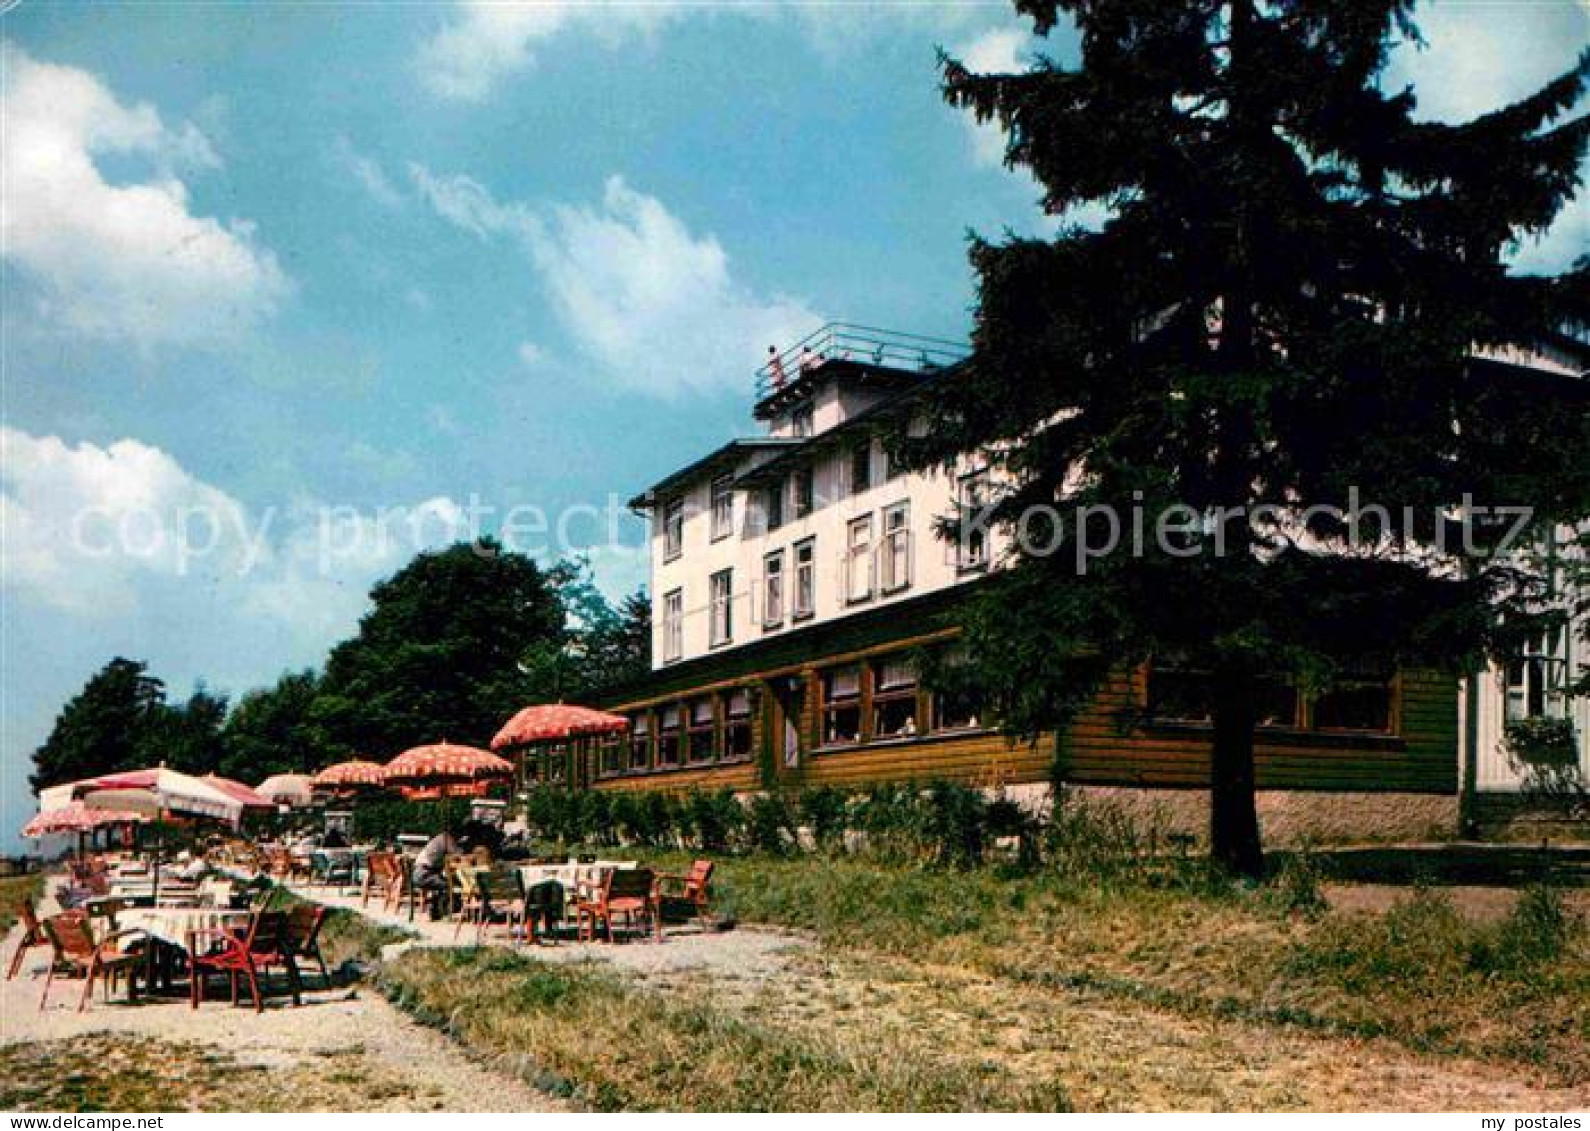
(159, 791)
(445, 761)
(244, 795)
(348, 774)
(549, 722)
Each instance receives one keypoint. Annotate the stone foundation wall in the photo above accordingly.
(1286, 817)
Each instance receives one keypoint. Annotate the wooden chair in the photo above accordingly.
(265, 945)
(500, 894)
(32, 935)
(467, 893)
(630, 892)
(304, 921)
(76, 950)
(687, 896)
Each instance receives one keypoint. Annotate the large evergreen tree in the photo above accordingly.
(436, 656)
(1285, 304)
(103, 727)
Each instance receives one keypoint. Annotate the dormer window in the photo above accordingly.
(800, 421)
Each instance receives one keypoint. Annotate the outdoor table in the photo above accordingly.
(171, 929)
(174, 925)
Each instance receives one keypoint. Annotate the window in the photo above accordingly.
(805, 579)
(722, 507)
(773, 589)
(957, 702)
(669, 733)
(802, 492)
(861, 467)
(842, 705)
(1358, 704)
(673, 529)
(1187, 696)
(801, 421)
(609, 755)
(858, 559)
(773, 505)
(1536, 678)
(893, 699)
(722, 607)
(971, 543)
(673, 625)
(640, 742)
(896, 549)
(703, 732)
(737, 725)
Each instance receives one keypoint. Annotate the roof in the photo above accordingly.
(884, 412)
(725, 458)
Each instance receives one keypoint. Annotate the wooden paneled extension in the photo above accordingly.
(1114, 742)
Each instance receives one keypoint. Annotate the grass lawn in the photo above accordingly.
(121, 1072)
(981, 989)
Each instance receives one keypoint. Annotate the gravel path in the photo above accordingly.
(753, 955)
(343, 1023)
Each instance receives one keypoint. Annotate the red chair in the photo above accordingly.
(680, 898)
(630, 892)
(76, 949)
(32, 935)
(304, 921)
(266, 944)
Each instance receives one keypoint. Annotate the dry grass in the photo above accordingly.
(107, 1072)
(1420, 974)
(614, 1044)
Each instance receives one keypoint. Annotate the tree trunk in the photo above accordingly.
(1233, 818)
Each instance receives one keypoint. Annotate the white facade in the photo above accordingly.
(1532, 686)
(737, 572)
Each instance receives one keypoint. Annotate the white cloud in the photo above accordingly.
(367, 172)
(104, 534)
(653, 305)
(999, 51)
(1478, 57)
(530, 354)
(485, 41)
(128, 261)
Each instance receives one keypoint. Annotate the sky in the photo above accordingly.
(293, 290)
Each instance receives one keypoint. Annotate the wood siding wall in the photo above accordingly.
(1107, 745)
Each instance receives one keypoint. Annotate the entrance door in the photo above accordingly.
(788, 698)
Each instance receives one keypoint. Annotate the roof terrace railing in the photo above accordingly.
(869, 345)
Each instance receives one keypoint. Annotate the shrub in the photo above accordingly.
(823, 811)
(715, 819)
(384, 819)
(770, 824)
(1538, 932)
(954, 824)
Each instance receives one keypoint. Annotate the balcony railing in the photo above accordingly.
(867, 345)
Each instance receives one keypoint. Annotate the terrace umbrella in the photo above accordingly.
(347, 776)
(74, 817)
(246, 796)
(547, 724)
(445, 769)
(293, 790)
(161, 791)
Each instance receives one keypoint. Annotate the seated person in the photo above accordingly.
(430, 870)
